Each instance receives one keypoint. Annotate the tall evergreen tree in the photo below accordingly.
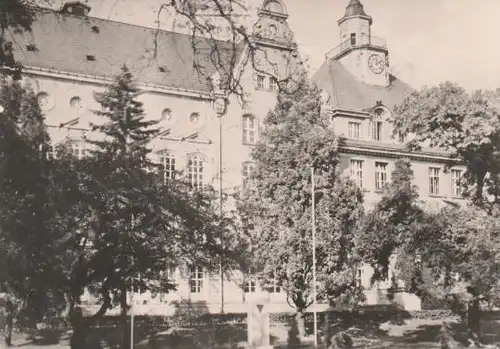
(25, 233)
(131, 225)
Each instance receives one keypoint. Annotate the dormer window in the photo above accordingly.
(377, 124)
(75, 8)
(377, 130)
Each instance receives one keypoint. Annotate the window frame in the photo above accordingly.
(351, 129)
(195, 175)
(434, 174)
(196, 278)
(456, 188)
(260, 82)
(164, 158)
(248, 129)
(381, 177)
(357, 174)
(247, 169)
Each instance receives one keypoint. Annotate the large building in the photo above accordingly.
(69, 55)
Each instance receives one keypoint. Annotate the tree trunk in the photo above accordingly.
(80, 327)
(327, 337)
(9, 324)
(474, 321)
(299, 318)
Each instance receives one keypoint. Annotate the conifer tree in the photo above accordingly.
(26, 237)
(133, 224)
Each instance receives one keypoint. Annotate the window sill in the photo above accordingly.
(248, 144)
(266, 89)
(437, 196)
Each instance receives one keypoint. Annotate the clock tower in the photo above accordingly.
(363, 55)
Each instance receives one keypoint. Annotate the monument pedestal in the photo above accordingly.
(258, 322)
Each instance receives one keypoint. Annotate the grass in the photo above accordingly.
(403, 333)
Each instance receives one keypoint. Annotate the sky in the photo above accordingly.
(430, 41)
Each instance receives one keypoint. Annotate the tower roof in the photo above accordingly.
(355, 8)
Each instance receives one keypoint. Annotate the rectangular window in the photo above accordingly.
(261, 81)
(456, 188)
(196, 280)
(167, 166)
(249, 286)
(380, 175)
(357, 172)
(353, 39)
(247, 171)
(353, 129)
(273, 83)
(78, 150)
(195, 172)
(275, 287)
(434, 180)
(377, 130)
(248, 127)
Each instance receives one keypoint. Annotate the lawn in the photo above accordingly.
(403, 333)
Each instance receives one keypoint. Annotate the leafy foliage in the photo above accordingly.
(277, 203)
(467, 125)
(393, 221)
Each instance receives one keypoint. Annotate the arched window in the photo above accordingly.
(195, 171)
(377, 124)
(166, 160)
(249, 126)
(246, 172)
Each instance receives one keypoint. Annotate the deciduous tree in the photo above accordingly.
(277, 204)
(467, 125)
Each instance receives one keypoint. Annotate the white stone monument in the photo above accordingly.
(258, 321)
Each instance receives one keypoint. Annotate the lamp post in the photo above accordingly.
(313, 223)
(220, 110)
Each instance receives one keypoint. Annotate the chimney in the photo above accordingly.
(76, 8)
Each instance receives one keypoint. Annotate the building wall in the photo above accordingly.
(235, 153)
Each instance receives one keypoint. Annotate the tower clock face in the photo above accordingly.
(376, 64)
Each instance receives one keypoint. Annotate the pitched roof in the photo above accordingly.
(66, 43)
(349, 93)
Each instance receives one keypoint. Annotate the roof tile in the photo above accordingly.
(63, 43)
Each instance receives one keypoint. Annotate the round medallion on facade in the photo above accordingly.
(194, 118)
(166, 116)
(45, 101)
(76, 103)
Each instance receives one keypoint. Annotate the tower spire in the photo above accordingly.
(355, 8)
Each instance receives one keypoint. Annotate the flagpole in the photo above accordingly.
(313, 219)
(132, 315)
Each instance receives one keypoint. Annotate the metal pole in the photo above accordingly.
(221, 214)
(132, 315)
(313, 218)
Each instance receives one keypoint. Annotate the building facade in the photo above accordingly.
(69, 55)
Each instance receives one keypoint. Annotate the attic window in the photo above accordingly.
(90, 58)
(95, 29)
(31, 47)
(163, 69)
